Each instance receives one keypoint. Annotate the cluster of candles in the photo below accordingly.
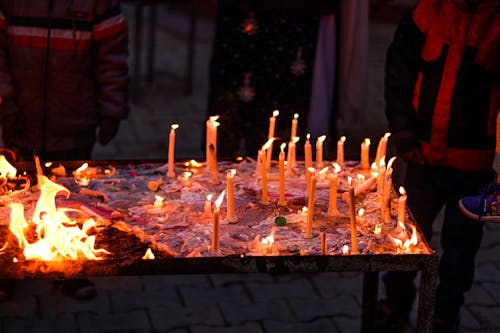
(381, 177)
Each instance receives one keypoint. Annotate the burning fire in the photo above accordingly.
(58, 237)
(404, 246)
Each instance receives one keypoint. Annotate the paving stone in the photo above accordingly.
(53, 305)
(480, 295)
(319, 326)
(19, 306)
(156, 282)
(306, 309)
(276, 309)
(221, 280)
(164, 319)
(134, 321)
(347, 324)
(488, 316)
(118, 283)
(246, 328)
(63, 323)
(331, 284)
(468, 320)
(230, 294)
(494, 290)
(126, 301)
(266, 291)
(30, 287)
(487, 272)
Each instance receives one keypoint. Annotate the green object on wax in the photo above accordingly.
(280, 220)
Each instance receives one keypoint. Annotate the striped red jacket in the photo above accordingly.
(443, 81)
(63, 67)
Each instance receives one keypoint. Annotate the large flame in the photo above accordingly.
(58, 236)
(406, 245)
(6, 169)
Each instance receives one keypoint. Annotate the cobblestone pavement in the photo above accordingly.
(222, 303)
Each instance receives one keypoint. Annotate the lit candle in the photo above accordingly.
(207, 208)
(308, 152)
(381, 176)
(340, 151)
(171, 148)
(211, 139)
(382, 148)
(361, 188)
(352, 211)
(272, 125)
(332, 197)
(386, 197)
(324, 246)
(216, 227)
(158, 201)
(281, 161)
(290, 159)
(402, 205)
(263, 171)
(319, 151)
(230, 216)
(295, 122)
(365, 154)
(310, 204)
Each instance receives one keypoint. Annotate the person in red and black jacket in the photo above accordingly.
(442, 92)
(63, 84)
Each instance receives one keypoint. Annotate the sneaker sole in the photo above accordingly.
(475, 217)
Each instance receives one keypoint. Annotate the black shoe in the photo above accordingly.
(445, 325)
(390, 320)
(81, 289)
(6, 289)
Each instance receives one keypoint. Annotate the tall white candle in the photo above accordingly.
(295, 122)
(402, 205)
(216, 225)
(352, 211)
(272, 125)
(281, 161)
(308, 152)
(382, 148)
(171, 149)
(230, 215)
(332, 197)
(340, 151)
(310, 204)
(365, 154)
(319, 151)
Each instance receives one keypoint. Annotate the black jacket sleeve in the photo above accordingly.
(401, 70)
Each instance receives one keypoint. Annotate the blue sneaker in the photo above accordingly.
(484, 207)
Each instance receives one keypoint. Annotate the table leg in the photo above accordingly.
(426, 297)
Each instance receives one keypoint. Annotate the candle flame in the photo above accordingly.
(324, 170)
(231, 172)
(213, 118)
(367, 142)
(268, 143)
(342, 138)
(361, 212)
(311, 170)
(295, 139)
(387, 135)
(295, 115)
(361, 178)
(6, 169)
(159, 198)
(83, 167)
(174, 126)
(349, 180)
(209, 197)
(321, 138)
(195, 164)
(389, 165)
(402, 190)
(282, 147)
(148, 255)
(48, 164)
(276, 113)
(336, 167)
(378, 229)
(187, 174)
(218, 202)
(308, 136)
(345, 249)
(374, 166)
(381, 163)
(404, 247)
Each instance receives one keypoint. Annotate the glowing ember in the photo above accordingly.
(148, 255)
(268, 245)
(58, 236)
(345, 249)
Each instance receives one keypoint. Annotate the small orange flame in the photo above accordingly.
(345, 249)
(218, 202)
(148, 255)
(6, 169)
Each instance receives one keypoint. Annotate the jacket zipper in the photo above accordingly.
(45, 80)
